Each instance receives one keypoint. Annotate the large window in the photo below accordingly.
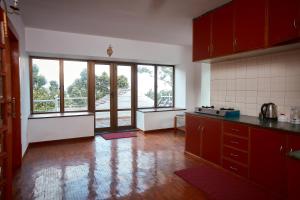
(45, 85)
(61, 85)
(46, 76)
(75, 85)
(155, 86)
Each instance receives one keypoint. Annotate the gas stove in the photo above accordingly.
(222, 112)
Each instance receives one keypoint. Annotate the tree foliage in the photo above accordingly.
(40, 92)
(75, 95)
(165, 74)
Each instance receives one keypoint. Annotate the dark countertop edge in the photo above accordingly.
(59, 115)
(149, 110)
(234, 120)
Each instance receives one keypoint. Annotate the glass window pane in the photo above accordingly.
(45, 80)
(124, 86)
(75, 85)
(102, 87)
(102, 119)
(164, 86)
(124, 118)
(145, 79)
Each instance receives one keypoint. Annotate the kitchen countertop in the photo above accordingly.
(255, 121)
(148, 110)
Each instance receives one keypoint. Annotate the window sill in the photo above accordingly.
(148, 110)
(58, 115)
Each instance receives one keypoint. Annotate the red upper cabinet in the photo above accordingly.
(202, 37)
(283, 21)
(193, 137)
(267, 159)
(250, 24)
(211, 140)
(222, 31)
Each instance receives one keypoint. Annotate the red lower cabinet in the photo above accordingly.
(293, 179)
(203, 137)
(211, 140)
(293, 168)
(193, 137)
(267, 159)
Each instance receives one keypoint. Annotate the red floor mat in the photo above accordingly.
(112, 136)
(220, 185)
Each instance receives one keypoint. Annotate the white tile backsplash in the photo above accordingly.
(248, 83)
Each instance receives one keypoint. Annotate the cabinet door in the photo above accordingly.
(193, 126)
(222, 31)
(201, 37)
(211, 140)
(283, 21)
(293, 169)
(267, 159)
(249, 24)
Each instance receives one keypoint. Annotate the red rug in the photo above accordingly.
(112, 136)
(219, 185)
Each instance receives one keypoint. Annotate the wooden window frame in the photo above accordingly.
(91, 89)
(155, 86)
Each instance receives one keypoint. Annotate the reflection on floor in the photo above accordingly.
(133, 168)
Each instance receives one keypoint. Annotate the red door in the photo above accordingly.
(222, 31)
(201, 37)
(211, 140)
(249, 24)
(293, 169)
(193, 139)
(267, 159)
(283, 21)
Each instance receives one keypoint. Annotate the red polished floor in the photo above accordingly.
(132, 168)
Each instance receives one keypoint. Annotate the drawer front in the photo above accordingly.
(236, 129)
(235, 155)
(236, 168)
(238, 143)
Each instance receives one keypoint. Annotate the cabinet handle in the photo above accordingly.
(212, 48)
(291, 150)
(280, 149)
(208, 49)
(295, 25)
(202, 130)
(235, 130)
(235, 42)
(234, 142)
(198, 128)
(234, 155)
(233, 168)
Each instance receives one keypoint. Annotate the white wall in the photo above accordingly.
(19, 31)
(47, 129)
(202, 84)
(62, 44)
(156, 120)
(248, 83)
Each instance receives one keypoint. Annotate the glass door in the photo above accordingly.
(103, 96)
(124, 96)
(114, 97)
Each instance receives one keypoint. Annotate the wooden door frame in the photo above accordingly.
(113, 95)
(16, 112)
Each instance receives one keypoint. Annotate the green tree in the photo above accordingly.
(38, 80)
(53, 89)
(78, 89)
(40, 92)
(102, 85)
(123, 82)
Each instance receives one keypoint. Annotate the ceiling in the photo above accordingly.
(163, 21)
